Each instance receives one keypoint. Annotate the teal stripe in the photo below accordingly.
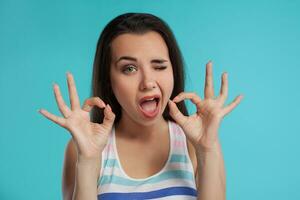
(111, 163)
(178, 158)
(174, 158)
(179, 174)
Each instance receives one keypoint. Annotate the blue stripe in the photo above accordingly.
(172, 174)
(187, 191)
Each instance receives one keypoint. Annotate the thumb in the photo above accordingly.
(176, 114)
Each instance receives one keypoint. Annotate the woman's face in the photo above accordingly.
(141, 67)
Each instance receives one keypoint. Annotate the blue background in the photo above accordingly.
(256, 42)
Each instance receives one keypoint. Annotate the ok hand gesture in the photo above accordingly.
(202, 127)
(90, 138)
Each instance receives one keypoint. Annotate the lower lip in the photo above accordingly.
(153, 114)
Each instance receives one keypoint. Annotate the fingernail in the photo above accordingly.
(108, 106)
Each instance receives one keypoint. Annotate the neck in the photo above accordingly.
(139, 130)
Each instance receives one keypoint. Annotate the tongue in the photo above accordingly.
(149, 106)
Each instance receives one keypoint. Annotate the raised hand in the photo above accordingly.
(202, 127)
(90, 138)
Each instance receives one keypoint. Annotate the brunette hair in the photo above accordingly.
(136, 23)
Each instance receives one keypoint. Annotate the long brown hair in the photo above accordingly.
(137, 23)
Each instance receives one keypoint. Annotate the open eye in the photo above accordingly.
(125, 69)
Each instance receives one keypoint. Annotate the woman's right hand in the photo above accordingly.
(90, 138)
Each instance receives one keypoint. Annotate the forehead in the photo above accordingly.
(150, 43)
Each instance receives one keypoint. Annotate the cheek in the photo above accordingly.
(171, 81)
(170, 86)
(167, 83)
(123, 90)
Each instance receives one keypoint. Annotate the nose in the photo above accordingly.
(148, 81)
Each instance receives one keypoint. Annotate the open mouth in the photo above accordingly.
(150, 108)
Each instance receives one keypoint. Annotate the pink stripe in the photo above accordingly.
(177, 166)
(178, 144)
(109, 148)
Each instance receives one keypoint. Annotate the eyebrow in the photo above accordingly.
(134, 59)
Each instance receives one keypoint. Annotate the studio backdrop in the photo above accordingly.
(256, 42)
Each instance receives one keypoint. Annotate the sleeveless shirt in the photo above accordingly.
(174, 181)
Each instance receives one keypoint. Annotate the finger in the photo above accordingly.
(176, 114)
(188, 95)
(209, 88)
(232, 105)
(58, 120)
(93, 101)
(193, 97)
(109, 117)
(64, 109)
(74, 99)
(224, 87)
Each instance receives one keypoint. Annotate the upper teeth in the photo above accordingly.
(150, 99)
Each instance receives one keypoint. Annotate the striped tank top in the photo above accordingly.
(174, 181)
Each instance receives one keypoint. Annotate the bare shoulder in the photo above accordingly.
(69, 166)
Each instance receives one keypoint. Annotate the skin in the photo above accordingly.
(142, 78)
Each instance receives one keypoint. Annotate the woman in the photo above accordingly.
(137, 143)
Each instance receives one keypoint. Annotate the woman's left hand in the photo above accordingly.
(202, 127)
